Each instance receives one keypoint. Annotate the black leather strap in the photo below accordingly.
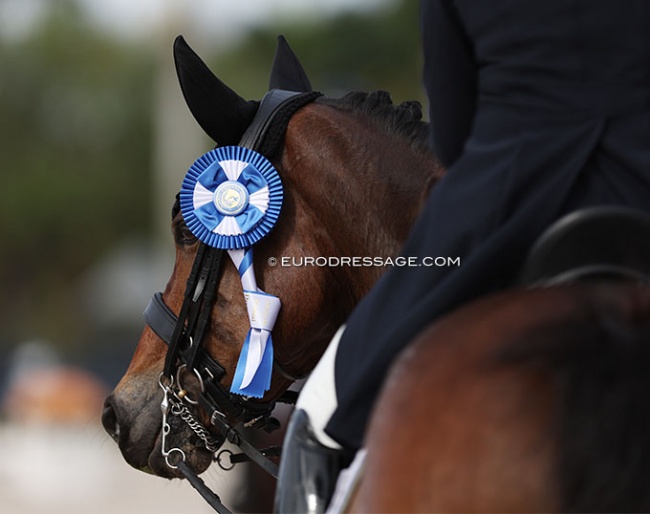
(160, 318)
(191, 286)
(266, 132)
(213, 267)
(162, 321)
(197, 483)
(236, 438)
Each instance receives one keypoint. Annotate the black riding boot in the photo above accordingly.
(308, 470)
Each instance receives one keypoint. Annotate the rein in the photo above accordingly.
(184, 335)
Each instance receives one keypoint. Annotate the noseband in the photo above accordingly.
(184, 333)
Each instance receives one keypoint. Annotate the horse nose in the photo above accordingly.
(110, 419)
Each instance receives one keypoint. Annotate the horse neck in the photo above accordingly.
(364, 185)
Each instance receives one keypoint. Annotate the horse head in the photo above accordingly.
(337, 197)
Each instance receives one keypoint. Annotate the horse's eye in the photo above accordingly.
(183, 235)
(187, 236)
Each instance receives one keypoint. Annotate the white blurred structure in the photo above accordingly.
(56, 457)
(178, 139)
(59, 469)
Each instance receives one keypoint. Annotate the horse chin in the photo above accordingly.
(198, 457)
(146, 453)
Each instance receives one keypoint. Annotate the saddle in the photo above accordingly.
(604, 242)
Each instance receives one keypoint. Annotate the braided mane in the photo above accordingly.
(404, 119)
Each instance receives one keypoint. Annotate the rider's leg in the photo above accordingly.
(311, 460)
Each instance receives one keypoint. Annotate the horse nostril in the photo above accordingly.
(109, 420)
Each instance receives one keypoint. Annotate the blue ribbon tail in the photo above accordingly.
(241, 365)
(262, 379)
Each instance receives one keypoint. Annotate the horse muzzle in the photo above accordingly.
(136, 427)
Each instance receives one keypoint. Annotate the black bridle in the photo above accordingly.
(185, 333)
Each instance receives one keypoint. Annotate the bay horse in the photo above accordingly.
(524, 401)
(342, 163)
(506, 415)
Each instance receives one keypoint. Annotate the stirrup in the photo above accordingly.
(308, 470)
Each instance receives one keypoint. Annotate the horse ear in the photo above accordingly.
(221, 113)
(287, 73)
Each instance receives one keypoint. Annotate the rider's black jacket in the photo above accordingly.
(538, 108)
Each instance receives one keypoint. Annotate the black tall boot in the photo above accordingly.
(308, 470)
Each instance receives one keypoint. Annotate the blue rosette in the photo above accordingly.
(231, 197)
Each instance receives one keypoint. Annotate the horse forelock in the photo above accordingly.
(597, 361)
(404, 119)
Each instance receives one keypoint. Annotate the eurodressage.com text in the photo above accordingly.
(365, 262)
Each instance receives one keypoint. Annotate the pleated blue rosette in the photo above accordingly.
(230, 199)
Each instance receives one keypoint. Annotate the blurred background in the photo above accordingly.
(94, 142)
